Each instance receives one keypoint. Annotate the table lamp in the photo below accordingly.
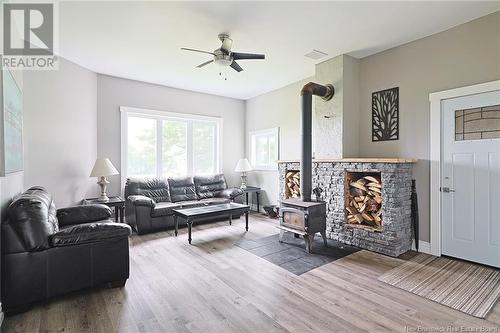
(243, 166)
(102, 168)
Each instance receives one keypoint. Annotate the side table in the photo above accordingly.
(253, 189)
(117, 203)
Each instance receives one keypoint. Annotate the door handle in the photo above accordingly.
(447, 189)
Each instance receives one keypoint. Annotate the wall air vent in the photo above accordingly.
(315, 54)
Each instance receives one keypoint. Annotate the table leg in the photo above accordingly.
(122, 214)
(116, 214)
(230, 219)
(176, 224)
(247, 197)
(189, 223)
(246, 220)
(258, 201)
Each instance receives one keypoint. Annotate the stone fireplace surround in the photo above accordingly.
(396, 174)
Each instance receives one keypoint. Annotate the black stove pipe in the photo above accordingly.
(325, 92)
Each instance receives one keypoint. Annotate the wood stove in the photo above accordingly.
(303, 216)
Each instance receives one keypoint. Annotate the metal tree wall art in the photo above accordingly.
(385, 115)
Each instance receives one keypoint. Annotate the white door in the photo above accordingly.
(470, 184)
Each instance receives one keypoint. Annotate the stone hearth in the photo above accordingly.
(396, 174)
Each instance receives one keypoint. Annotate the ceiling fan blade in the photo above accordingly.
(244, 56)
(194, 50)
(204, 64)
(234, 65)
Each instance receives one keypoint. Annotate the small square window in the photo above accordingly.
(264, 146)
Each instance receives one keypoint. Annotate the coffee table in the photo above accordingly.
(192, 214)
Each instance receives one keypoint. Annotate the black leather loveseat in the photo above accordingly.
(48, 252)
(150, 201)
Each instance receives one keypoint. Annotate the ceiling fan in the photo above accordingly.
(224, 56)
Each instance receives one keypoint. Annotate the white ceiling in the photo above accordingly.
(142, 40)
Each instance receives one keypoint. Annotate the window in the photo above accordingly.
(264, 146)
(477, 123)
(163, 144)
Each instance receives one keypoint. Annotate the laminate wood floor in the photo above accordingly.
(215, 286)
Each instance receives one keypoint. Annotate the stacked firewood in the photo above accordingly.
(364, 202)
(292, 181)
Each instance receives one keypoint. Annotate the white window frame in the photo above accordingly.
(269, 131)
(126, 112)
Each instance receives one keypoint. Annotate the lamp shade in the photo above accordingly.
(243, 165)
(103, 167)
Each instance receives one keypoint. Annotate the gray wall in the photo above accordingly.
(60, 131)
(279, 108)
(465, 55)
(113, 92)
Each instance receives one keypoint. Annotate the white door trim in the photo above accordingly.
(436, 100)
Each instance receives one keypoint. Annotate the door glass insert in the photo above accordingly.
(477, 123)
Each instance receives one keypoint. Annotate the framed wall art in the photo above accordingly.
(385, 115)
(11, 125)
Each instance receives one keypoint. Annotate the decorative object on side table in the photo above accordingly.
(117, 203)
(102, 168)
(243, 166)
(385, 115)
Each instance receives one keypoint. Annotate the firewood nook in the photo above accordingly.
(384, 186)
(363, 200)
(292, 184)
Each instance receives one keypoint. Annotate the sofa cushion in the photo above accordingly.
(90, 233)
(182, 189)
(83, 214)
(154, 188)
(209, 186)
(164, 209)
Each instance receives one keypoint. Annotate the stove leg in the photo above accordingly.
(323, 234)
(281, 236)
(309, 242)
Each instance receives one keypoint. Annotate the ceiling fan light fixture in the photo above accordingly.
(224, 56)
(224, 62)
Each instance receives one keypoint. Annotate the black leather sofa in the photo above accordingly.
(48, 252)
(150, 201)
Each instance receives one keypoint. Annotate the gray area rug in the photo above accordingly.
(291, 254)
(470, 288)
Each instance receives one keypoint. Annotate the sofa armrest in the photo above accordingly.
(83, 214)
(229, 193)
(89, 233)
(138, 210)
(141, 200)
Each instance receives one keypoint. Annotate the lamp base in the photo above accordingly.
(243, 185)
(103, 198)
(103, 183)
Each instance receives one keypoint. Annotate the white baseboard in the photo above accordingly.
(423, 247)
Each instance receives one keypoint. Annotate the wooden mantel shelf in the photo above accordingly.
(357, 160)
